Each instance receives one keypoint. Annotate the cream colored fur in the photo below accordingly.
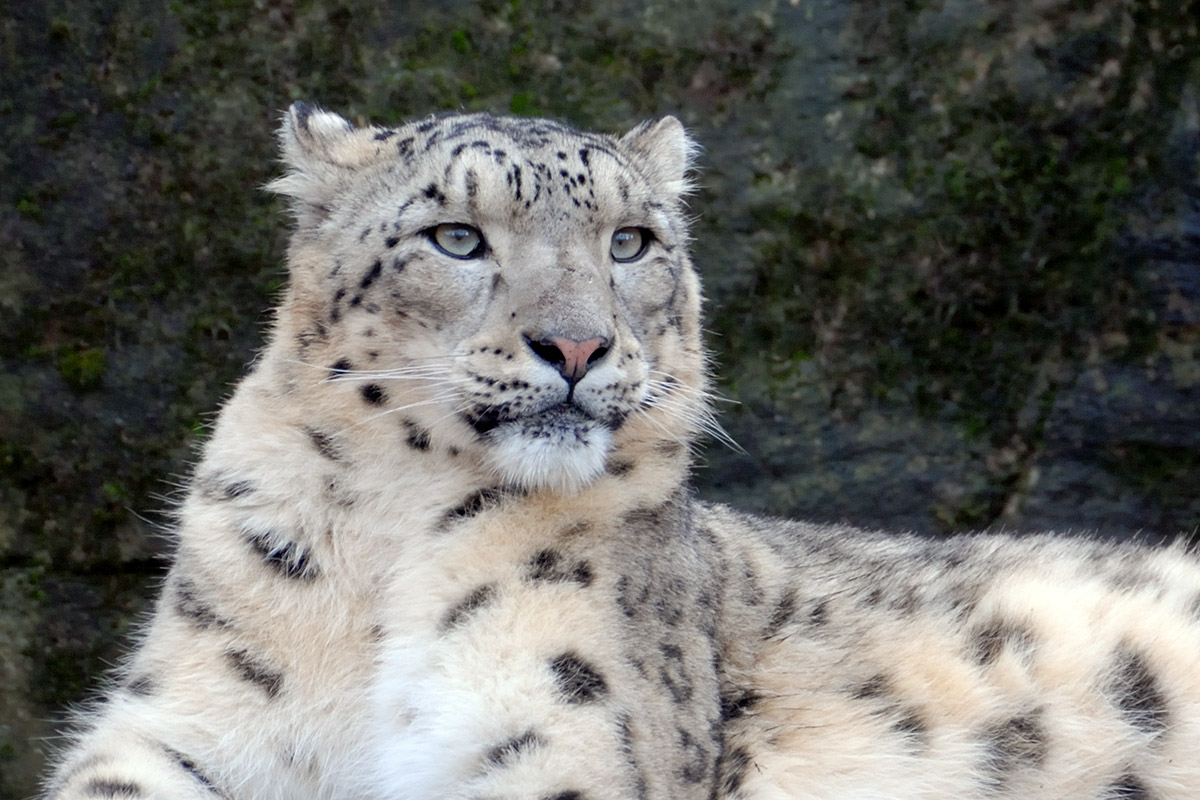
(424, 556)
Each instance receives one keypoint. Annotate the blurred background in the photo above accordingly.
(951, 251)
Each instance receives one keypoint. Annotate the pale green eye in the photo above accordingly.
(629, 243)
(457, 240)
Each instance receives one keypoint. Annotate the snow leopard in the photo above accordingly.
(443, 543)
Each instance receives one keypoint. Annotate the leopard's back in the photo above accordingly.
(879, 665)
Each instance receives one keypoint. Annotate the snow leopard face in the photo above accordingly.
(512, 291)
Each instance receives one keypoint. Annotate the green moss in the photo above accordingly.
(523, 104)
(973, 243)
(61, 31)
(30, 208)
(82, 368)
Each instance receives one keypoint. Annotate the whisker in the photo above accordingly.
(688, 404)
(431, 362)
(437, 400)
(392, 375)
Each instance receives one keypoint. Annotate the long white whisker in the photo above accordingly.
(432, 363)
(392, 375)
(686, 404)
(436, 400)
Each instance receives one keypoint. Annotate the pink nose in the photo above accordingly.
(572, 359)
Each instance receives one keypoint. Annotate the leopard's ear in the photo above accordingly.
(320, 149)
(666, 151)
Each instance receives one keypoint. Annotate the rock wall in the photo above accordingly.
(952, 252)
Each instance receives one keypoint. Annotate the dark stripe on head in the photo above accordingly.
(695, 765)
(372, 275)
(785, 609)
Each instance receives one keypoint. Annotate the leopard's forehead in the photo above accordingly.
(482, 166)
(530, 174)
(455, 133)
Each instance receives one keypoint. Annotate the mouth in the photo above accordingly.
(562, 448)
(557, 422)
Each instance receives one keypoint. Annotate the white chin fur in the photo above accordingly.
(561, 461)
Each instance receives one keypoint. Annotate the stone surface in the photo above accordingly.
(952, 252)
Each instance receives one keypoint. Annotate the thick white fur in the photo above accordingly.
(352, 495)
(554, 461)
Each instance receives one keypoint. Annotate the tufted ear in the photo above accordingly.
(319, 149)
(667, 152)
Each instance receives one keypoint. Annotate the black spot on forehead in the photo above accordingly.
(673, 675)
(526, 134)
(372, 274)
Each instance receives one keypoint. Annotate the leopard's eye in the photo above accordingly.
(628, 244)
(457, 240)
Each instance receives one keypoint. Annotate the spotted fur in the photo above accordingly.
(441, 543)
